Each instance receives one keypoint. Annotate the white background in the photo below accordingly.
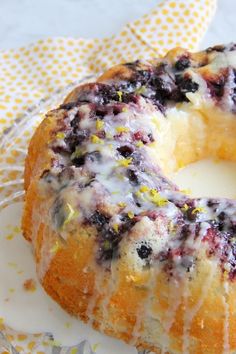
(24, 21)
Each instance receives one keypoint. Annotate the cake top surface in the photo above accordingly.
(107, 162)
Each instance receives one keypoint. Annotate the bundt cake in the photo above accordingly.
(116, 243)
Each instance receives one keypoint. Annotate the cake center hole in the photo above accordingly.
(207, 178)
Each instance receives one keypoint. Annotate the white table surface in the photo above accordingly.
(24, 21)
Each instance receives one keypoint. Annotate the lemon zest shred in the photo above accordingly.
(122, 204)
(198, 210)
(60, 135)
(77, 153)
(185, 207)
(116, 227)
(99, 124)
(125, 162)
(139, 143)
(144, 189)
(96, 140)
(120, 94)
(122, 129)
(130, 214)
(153, 192)
(71, 213)
(156, 198)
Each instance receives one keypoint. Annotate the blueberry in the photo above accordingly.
(185, 232)
(79, 161)
(222, 216)
(76, 138)
(216, 88)
(144, 251)
(125, 150)
(99, 220)
(94, 156)
(151, 139)
(187, 85)
(133, 177)
(143, 76)
(68, 105)
(100, 112)
(164, 86)
(182, 63)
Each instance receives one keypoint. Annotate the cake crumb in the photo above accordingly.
(29, 285)
(10, 237)
(68, 325)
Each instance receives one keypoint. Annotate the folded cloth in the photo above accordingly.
(32, 72)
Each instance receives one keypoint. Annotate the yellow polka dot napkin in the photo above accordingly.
(32, 79)
(34, 71)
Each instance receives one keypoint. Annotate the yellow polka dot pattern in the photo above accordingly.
(29, 74)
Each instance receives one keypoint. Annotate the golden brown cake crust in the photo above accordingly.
(115, 243)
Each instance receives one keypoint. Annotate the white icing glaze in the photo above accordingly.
(226, 345)
(174, 300)
(109, 291)
(98, 289)
(137, 329)
(191, 312)
(223, 60)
